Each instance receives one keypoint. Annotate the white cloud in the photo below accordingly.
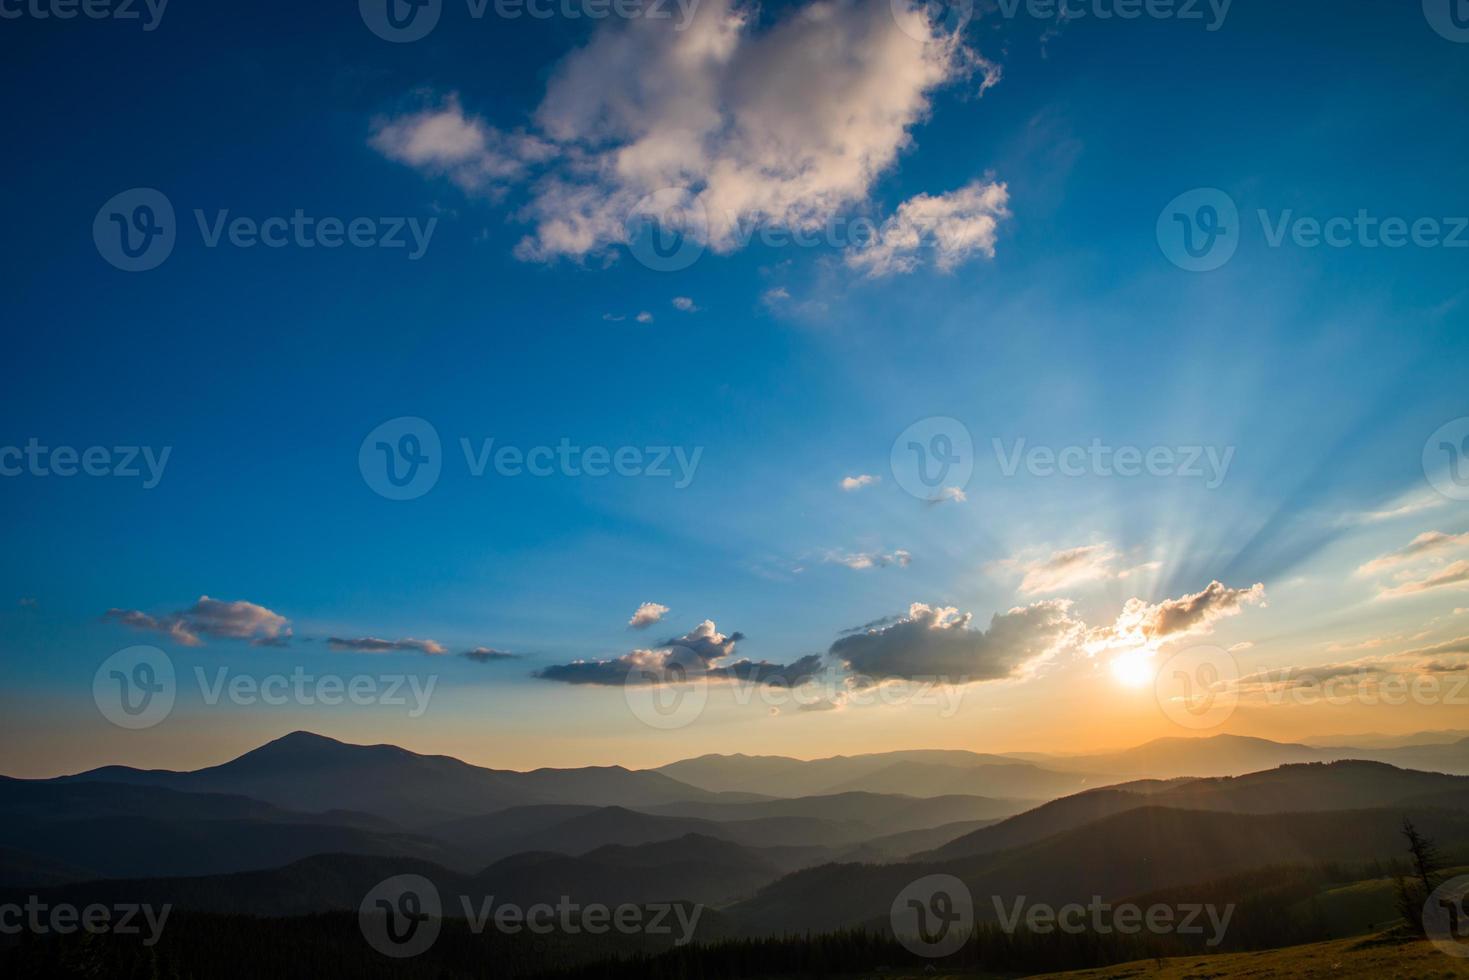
(850, 483)
(950, 227)
(1427, 544)
(1071, 568)
(647, 614)
(949, 495)
(1456, 574)
(645, 317)
(863, 560)
(684, 304)
(1145, 625)
(741, 121)
(444, 142)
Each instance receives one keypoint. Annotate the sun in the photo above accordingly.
(1133, 669)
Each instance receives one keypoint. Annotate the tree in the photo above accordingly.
(1414, 889)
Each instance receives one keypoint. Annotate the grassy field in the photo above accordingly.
(1377, 956)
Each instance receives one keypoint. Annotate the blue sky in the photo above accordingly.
(1324, 369)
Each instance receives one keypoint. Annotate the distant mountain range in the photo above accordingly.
(307, 823)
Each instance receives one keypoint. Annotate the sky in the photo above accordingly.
(639, 381)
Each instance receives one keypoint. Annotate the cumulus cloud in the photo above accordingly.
(1427, 544)
(684, 304)
(211, 618)
(936, 641)
(704, 117)
(949, 227)
(850, 483)
(371, 644)
(442, 141)
(647, 614)
(1149, 625)
(644, 317)
(863, 560)
(703, 652)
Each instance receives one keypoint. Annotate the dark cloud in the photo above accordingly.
(938, 642)
(484, 655)
(371, 644)
(212, 618)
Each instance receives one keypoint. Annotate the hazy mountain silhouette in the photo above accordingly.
(1142, 850)
(576, 830)
(910, 773)
(1301, 787)
(874, 814)
(309, 772)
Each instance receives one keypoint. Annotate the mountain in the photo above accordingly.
(1294, 788)
(1216, 755)
(1377, 740)
(576, 830)
(909, 773)
(302, 771)
(1131, 853)
(873, 814)
(692, 868)
(80, 825)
